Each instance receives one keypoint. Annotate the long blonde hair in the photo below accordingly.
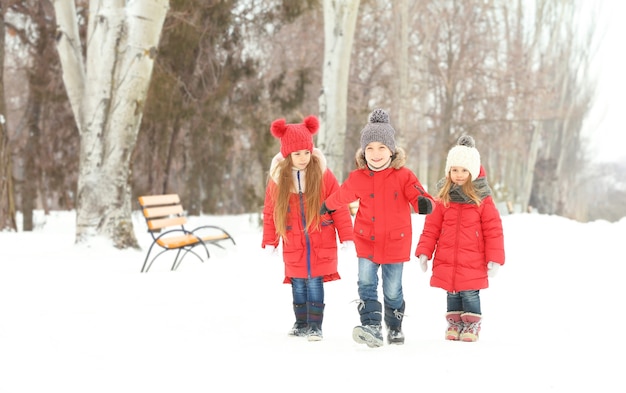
(468, 188)
(313, 191)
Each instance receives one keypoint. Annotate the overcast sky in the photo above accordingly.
(608, 114)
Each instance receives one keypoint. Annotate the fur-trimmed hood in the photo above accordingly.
(398, 160)
(274, 174)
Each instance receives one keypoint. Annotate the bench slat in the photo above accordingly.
(162, 211)
(186, 240)
(160, 223)
(154, 200)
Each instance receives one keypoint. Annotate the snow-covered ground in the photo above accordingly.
(84, 319)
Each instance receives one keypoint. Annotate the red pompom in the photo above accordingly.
(278, 128)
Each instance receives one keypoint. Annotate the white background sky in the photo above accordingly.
(77, 319)
(607, 123)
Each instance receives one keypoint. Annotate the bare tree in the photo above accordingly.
(509, 73)
(7, 202)
(339, 25)
(107, 91)
(401, 99)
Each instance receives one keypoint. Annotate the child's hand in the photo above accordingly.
(347, 246)
(424, 205)
(324, 209)
(423, 262)
(492, 269)
(270, 251)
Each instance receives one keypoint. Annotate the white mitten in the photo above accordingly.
(423, 262)
(270, 251)
(492, 269)
(347, 246)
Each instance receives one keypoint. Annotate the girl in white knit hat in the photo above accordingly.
(465, 234)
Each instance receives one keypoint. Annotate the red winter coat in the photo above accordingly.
(382, 226)
(322, 243)
(464, 237)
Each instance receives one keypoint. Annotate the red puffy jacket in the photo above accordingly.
(382, 226)
(318, 245)
(464, 237)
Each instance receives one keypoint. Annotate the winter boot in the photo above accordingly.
(300, 328)
(393, 320)
(315, 318)
(455, 325)
(471, 326)
(370, 330)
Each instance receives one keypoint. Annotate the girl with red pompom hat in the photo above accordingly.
(299, 180)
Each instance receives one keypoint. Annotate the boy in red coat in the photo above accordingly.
(386, 190)
(465, 233)
(299, 180)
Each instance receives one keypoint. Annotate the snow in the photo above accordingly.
(84, 319)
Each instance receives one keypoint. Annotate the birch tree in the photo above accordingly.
(402, 84)
(7, 203)
(107, 90)
(339, 25)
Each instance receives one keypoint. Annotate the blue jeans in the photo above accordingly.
(392, 282)
(307, 290)
(466, 301)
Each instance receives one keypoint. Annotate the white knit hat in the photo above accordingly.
(465, 155)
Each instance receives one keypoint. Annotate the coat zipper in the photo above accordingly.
(306, 233)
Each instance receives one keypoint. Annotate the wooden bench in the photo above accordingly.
(166, 222)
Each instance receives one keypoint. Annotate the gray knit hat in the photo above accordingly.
(465, 155)
(378, 129)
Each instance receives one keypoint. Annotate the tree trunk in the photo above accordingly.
(107, 96)
(7, 196)
(30, 159)
(339, 25)
(401, 97)
(531, 161)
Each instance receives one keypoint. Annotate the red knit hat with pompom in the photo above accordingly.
(294, 137)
